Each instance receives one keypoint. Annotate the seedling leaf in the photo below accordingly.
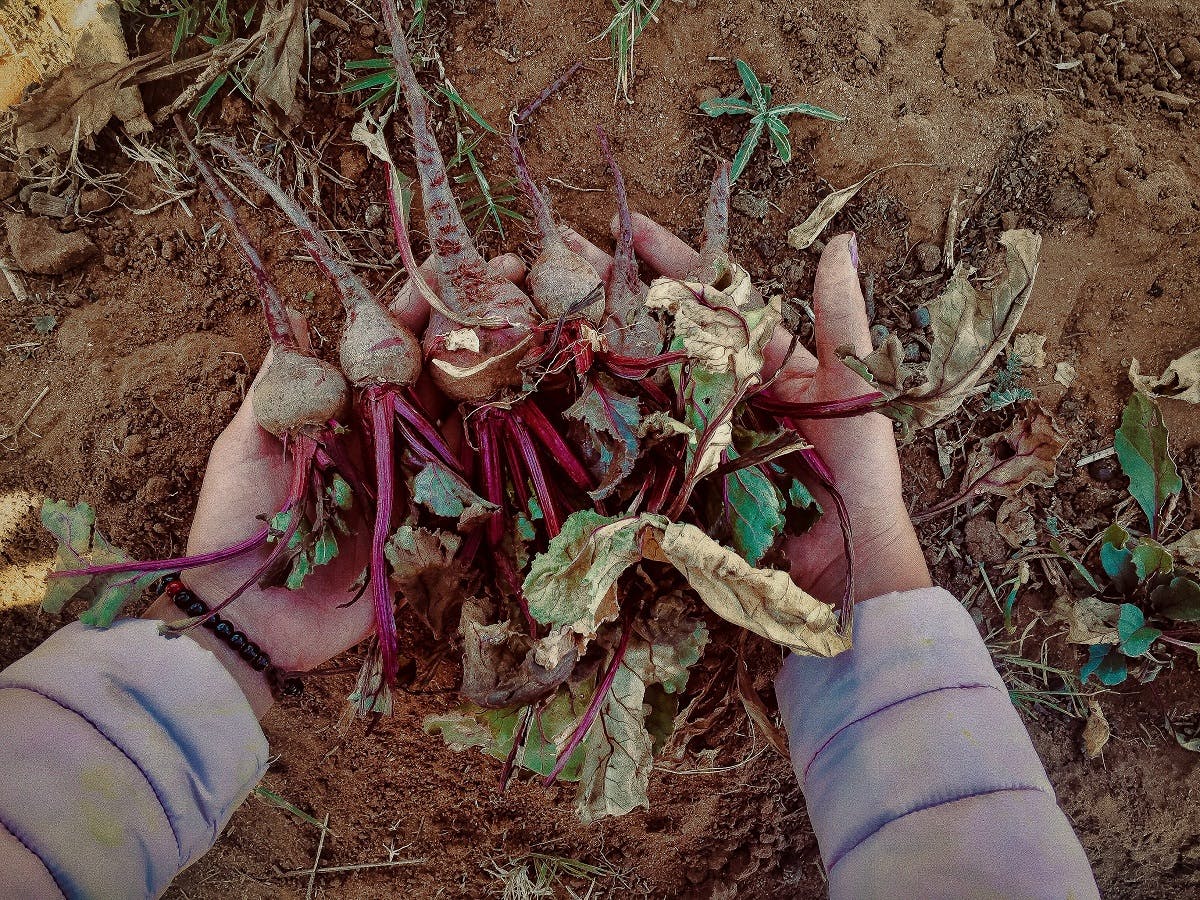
(1150, 558)
(1108, 666)
(1136, 636)
(445, 494)
(732, 106)
(754, 88)
(1179, 600)
(1145, 458)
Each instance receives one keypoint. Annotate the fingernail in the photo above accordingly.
(854, 249)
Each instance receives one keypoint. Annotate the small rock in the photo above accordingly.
(879, 334)
(1008, 220)
(751, 205)
(373, 216)
(970, 52)
(912, 351)
(168, 250)
(134, 446)
(1097, 21)
(40, 248)
(93, 201)
(920, 317)
(8, 184)
(1104, 469)
(1175, 102)
(929, 256)
(43, 203)
(352, 164)
(807, 35)
(868, 45)
(155, 490)
(1190, 48)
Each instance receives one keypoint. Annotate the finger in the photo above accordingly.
(412, 309)
(841, 311)
(785, 358)
(409, 306)
(659, 248)
(597, 258)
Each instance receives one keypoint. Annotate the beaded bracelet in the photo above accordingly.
(281, 684)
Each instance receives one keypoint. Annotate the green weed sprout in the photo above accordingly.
(764, 116)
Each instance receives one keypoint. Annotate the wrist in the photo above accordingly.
(254, 684)
(890, 562)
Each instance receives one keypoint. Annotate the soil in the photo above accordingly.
(1080, 121)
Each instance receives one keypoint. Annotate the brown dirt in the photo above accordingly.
(157, 337)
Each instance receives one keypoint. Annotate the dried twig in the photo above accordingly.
(25, 418)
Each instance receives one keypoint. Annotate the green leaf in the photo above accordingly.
(754, 88)
(1136, 636)
(782, 146)
(746, 150)
(727, 106)
(803, 510)
(44, 324)
(446, 494)
(610, 434)
(80, 544)
(1141, 445)
(1109, 667)
(1179, 600)
(1058, 548)
(1150, 558)
(755, 509)
(301, 567)
(807, 109)
(618, 751)
(325, 549)
(340, 493)
(457, 99)
(1115, 558)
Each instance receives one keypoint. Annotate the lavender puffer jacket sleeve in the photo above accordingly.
(919, 776)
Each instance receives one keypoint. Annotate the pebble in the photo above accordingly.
(373, 216)
(807, 35)
(38, 247)
(1190, 48)
(879, 334)
(168, 250)
(919, 317)
(929, 256)
(134, 446)
(1097, 21)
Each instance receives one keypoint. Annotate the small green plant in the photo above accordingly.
(1007, 388)
(1146, 575)
(629, 20)
(763, 117)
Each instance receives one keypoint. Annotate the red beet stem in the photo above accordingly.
(558, 84)
(493, 479)
(516, 427)
(593, 709)
(353, 292)
(829, 409)
(178, 562)
(279, 327)
(429, 435)
(549, 438)
(458, 260)
(381, 408)
(516, 471)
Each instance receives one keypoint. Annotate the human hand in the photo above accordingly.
(860, 451)
(246, 482)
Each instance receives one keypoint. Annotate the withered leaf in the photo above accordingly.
(1006, 462)
(1096, 732)
(276, 70)
(426, 573)
(82, 97)
(969, 330)
(756, 709)
(802, 236)
(611, 423)
(444, 493)
(1180, 381)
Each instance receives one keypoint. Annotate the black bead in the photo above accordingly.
(184, 598)
(212, 622)
(260, 662)
(250, 652)
(196, 608)
(237, 641)
(224, 629)
(292, 687)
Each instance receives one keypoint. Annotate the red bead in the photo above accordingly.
(173, 587)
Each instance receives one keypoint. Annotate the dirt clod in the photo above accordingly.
(38, 247)
(970, 52)
(1097, 21)
(929, 256)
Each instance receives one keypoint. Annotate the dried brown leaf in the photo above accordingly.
(82, 96)
(426, 573)
(276, 71)
(1096, 732)
(1187, 549)
(757, 710)
(1006, 462)
(803, 235)
(969, 331)
(1180, 381)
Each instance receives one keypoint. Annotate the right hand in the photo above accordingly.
(860, 451)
